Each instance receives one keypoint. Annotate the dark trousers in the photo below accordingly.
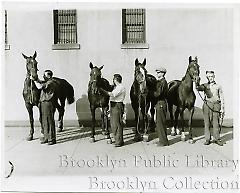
(211, 117)
(161, 111)
(48, 123)
(116, 113)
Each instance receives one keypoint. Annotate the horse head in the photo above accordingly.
(193, 69)
(95, 76)
(140, 74)
(31, 65)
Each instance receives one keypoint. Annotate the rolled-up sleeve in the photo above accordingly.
(117, 91)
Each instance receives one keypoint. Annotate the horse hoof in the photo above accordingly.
(183, 138)
(103, 132)
(178, 132)
(59, 130)
(145, 138)
(92, 140)
(137, 138)
(29, 138)
(109, 141)
(191, 141)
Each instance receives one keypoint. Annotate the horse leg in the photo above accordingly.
(145, 125)
(105, 123)
(173, 130)
(137, 135)
(92, 139)
(183, 137)
(40, 120)
(190, 125)
(60, 107)
(30, 113)
(152, 123)
(176, 121)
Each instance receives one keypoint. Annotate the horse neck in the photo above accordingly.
(138, 87)
(29, 83)
(187, 81)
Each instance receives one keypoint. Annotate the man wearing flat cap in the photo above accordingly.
(213, 107)
(161, 106)
(117, 97)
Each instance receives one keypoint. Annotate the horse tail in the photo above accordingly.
(70, 93)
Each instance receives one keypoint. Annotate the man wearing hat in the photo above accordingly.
(213, 107)
(161, 106)
(117, 97)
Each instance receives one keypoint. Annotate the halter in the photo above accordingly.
(192, 78)
(31, 81)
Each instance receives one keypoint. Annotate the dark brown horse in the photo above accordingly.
(142, 96)
(181, 95)
(98, 100)
(31, 93)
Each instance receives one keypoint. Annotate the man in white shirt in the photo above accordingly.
(117, 97)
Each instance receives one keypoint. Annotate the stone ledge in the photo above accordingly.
(66, 46)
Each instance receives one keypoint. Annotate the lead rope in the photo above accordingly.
(221, 122)
(31, 91)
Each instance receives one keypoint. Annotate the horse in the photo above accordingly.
(31, 93)
(142, 96)
(98, 100)
(181, 94)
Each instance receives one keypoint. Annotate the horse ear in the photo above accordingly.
(101, 67)
(91, 65)
(190, 59)
(136, 62)
(144, 62)
(196, 59)
(34, 55)
(24, 56)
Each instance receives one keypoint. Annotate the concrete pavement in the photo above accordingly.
(74, 154)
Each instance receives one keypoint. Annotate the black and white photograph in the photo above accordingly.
(120, 97)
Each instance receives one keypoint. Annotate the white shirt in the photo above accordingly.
(118, 93)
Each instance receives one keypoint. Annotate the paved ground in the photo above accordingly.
(33, 158)
(74, 155)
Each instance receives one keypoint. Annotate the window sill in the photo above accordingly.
(135, 46)
(7, 47)
(66, 46)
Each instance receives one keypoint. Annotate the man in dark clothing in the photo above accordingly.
(47, 104)
(161, 107)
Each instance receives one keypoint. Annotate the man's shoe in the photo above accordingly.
(44, 141)
(51, 142)
(119, 145)
(220, 143)
(158, 144)
(207, 142)
(30, 137)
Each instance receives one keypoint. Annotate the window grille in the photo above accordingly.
(133, 26)
(65, 26)
(6, 40)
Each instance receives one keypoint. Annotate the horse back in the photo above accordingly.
(64, 89)
(173, 92)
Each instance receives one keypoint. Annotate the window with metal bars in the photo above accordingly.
(65, 26)
(133, 26)
(7, 47)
